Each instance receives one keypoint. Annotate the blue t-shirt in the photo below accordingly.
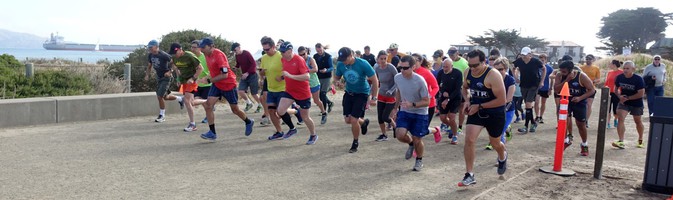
(630, 86)
(356, 75)
(545, 87)
(509, 81)
(160, 62)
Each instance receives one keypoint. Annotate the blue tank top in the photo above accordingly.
(479, 92)
(576, 88)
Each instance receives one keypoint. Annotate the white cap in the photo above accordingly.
(525, 51)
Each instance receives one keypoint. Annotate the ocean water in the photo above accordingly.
(84, 56)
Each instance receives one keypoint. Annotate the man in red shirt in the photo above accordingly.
(224, 85)
(296, 76)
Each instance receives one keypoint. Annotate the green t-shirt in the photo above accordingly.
(313, 77)
(461, 65)
(274, 68)
(187, 65)
(205, 72)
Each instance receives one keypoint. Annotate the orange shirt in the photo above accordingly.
(592, 71)
(610, 79)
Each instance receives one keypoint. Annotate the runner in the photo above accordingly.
(368, 56)
(502, 65)
(314, 82)
(188, 69)
(296, 76)
(394, 55)
(486, 110)
(204, 86)
(610, 83)
(594, 74)
(530, 80)
(160, 60)
(386, 99)
(581, 88)
(413, 115)
(461, 64)
(450, 96)
(249, 77)
(325, 68)
(544, 92)
(224, 85)
(356, 73)
(631, 91)
(421, 68)
(272, 68)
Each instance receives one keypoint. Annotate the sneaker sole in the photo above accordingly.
(460, 184)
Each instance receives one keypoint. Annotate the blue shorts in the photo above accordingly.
(303, 104)
(274, 97)
(315, 89)
(231, 95)
(416, 124)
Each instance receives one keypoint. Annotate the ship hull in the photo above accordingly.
(119, 48)
(70, 47)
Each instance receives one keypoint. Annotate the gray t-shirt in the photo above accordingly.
(160, 62)
(386, 79)
(412, 90)
(658, 72)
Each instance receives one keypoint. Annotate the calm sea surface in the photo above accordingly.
(85, 56)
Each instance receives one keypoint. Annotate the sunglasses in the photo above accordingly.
(193, 47)
(265, 50)
(474, 65)
(501, 69)
(657, 59)
(403, 68)
(302, 54)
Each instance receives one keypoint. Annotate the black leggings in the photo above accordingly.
(431, 114)
(517, 105)
(614, 101)
(383, 111)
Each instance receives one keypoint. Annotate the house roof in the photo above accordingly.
(465, 44)
(663, 42)
(563, 43)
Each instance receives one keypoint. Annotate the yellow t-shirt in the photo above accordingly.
(274, 68)
(592, 71)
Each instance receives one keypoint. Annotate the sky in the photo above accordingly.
(416, 26)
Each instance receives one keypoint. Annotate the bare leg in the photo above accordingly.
(639, 126)
(471, 135)
(418, 146)
(590, 102)
(621, 128)
(162, 104)
(307, 119)
(189, 98)
(317, 101)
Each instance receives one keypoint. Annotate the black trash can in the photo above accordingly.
(659, 161)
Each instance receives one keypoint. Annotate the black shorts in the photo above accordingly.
(265, 87)
(557, 96)
(543, 94)
(578, 111)
(202, 92)
(494, 122)
(592, 96)
(303, 104)
(451, 107)
(354, 104)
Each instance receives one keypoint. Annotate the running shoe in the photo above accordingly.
(160, 119)
(444, 127)
(182, 103)
(312, 139)
(418, 166)
(382, 138)
(248, 127)
(460, 131)
(467, 180)
(523, 130)
(265, 121)
(641, 144)
(567, 144)
(540, 121)
(329, 107)
(259, 109)
(290, 133)
(609, 127)
(364, 127)
(300, 123)
(488, 147)
(409, 153)
(190, 127)
(584, 150)
(209, 136)
(276, 136)
(438, 135)
(533, 127)
(354, 147)
(619, 144)
(517, 120)
(615, 123)
(502, 165)
(247, 107)
(323, 118)
(508, 134)
(454, 139)
(205, 120)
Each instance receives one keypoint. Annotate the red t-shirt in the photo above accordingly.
(433, 88)
(299, 90)
(216, 62)
(610, 79)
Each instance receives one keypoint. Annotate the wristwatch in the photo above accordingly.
(374, 98)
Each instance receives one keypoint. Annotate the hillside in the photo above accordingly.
(15, 40)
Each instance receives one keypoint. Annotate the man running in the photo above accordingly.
(160, 61)
(450, 96)
(188, 68)
(594, 73)
(296, 76)
(461, 64)
(272, 68)
(356, 73)
(413, 115)
(531, 72)
(580, 88)
(224, 85)
(486, 110)
(325, 68)
(631, 89)
(204, 87)
(544, 92)
(368, 56)
(249, 77)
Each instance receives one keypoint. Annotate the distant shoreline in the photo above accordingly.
(76, 56)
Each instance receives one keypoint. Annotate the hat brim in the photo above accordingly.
(342, 58)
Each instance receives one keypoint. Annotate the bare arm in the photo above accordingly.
(375, 85)
(588, 84)
(299, 77)
(314, 66)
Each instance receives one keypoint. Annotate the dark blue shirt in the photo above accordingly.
(576, 89)
(630, 86)
(324, 61)
(545, 87)
(509, 81)
(160, 62)
(479, 93)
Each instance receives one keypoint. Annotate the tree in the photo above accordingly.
(138, 58)
(631, 28)
(507, 39)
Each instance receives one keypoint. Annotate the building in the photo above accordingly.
(662, 47)
(557, 49)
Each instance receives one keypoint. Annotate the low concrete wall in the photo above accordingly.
(35, 111)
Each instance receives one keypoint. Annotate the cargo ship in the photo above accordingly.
(56, 42)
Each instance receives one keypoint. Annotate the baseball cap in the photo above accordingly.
(344, 53)
(525, 51)
(174, 48)
(438, 53)
(205, 41)
(152, 43)
(589, 56)
(233, 46)
(657, 56)
(285, 46)
(452, 50)
(567, 57)
(393, 46)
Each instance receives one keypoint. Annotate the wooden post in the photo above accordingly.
(600, 139)
(127, 76)
(30, 71)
